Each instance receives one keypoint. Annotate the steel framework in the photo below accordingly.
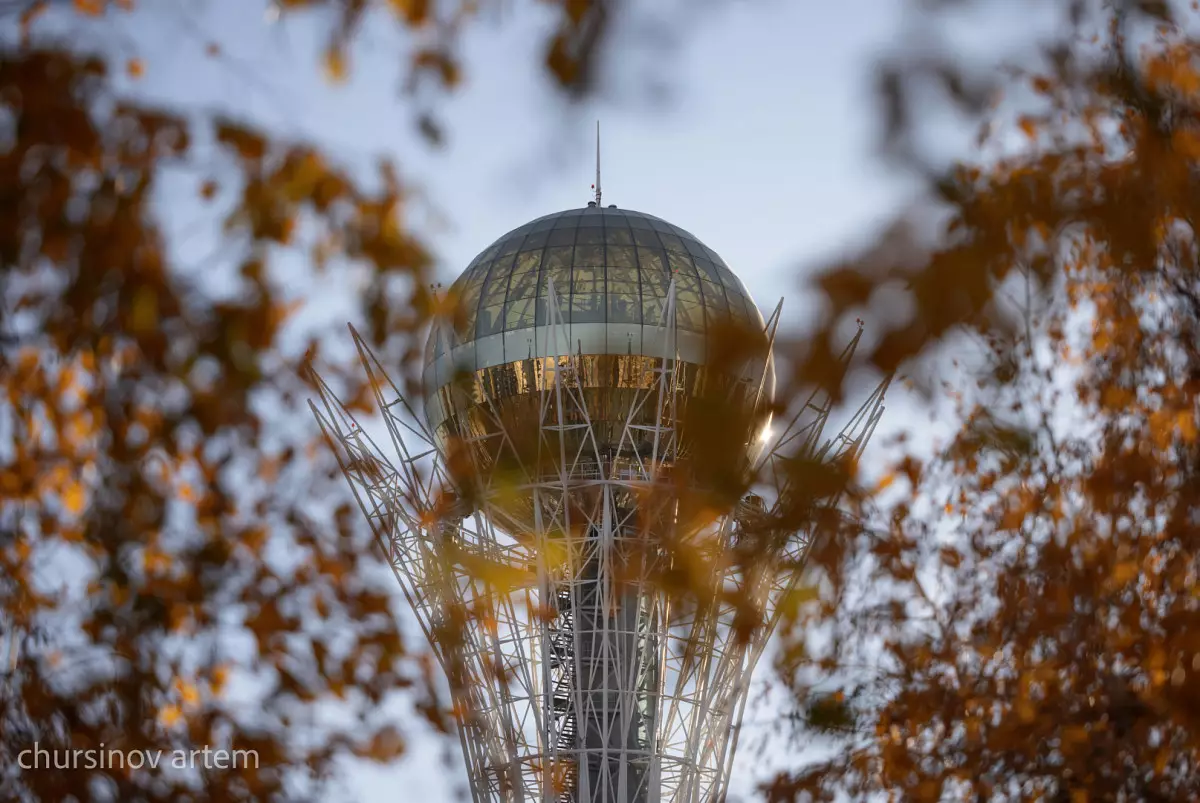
(576, 678)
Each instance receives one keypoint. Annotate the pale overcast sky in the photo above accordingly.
(763, 151)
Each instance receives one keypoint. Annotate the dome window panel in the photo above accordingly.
(527, 261)
(511, 245)
(535, 240)
(651, 260)
(652, 310)
(655, 284)
(490, 321)
(689, 311)
(523, 285)
(672, 243)
(591, 256)
(621, 275)
(647, 237)
(587, 308)
(519, 314)
(561, 237)
(590, 235)
(707, 270)
(640, 223)
(681, 265)
(621, 256)
(624, 302)
(618, 236)
(558, 258)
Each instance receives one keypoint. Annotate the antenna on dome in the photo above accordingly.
(597, 184)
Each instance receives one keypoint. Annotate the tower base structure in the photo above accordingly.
(591, 622)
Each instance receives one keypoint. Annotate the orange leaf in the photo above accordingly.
(92, 8)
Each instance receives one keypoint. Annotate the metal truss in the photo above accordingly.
(576, 678)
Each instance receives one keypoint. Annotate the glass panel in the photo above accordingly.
(562, 282)
(655, 284)
(621, 256)
(681, 263)
(695, 248)
(527, 261)
(566, 222)
(590, 235)
(557, 257)
(647, 237)
(651, 261)
(583, 273)
(727, 277)
(561, 237)
(618, 236)
(652, 309)
(619, 274)
(519, 314)
(707, 269)
(661, 225)
(639, 222)
(511, 244)
(491, 319)
(488, 254)
(672, 243)
(469, 299)
(589, 255)
(523, 285)
(535, 240)
(543, 224)
(623, 302)
(684, 287)
(689, 311)
(714, 301)
(573, 212)
(588, 308)
(496, 285)
(737, 309)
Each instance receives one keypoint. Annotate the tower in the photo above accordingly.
(567, 507)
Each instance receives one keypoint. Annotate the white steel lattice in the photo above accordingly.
(576, 678)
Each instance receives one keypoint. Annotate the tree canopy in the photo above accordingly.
(1031, 629)
(1027, 628)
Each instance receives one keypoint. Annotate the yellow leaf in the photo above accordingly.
(1124, 572)
(74, 498)
(187, 693)
(92, 8)
(170, 716)
(135, 68)
(335, 65)
(1187, 426)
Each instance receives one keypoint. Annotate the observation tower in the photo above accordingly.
(575, 507)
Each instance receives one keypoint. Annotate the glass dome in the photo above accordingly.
(612, 271)
(609, 265)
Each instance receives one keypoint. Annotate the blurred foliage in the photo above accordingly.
(145, 451)
(1030, 629)
(1018, 624)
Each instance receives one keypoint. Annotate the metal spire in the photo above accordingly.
(597, 163)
